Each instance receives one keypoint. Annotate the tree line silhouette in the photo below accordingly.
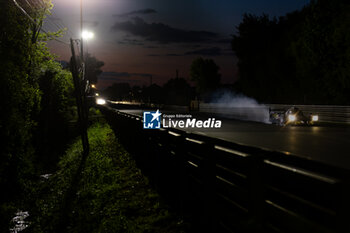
(303, 57)
(176, 91)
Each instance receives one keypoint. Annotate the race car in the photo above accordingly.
(292, 116)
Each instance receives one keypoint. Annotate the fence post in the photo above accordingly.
(256, 183)
(344, 207)
(209, 176)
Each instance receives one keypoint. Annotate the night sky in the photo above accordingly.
(139, 38)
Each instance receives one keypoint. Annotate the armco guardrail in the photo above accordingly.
(327, 113)
(227, 187)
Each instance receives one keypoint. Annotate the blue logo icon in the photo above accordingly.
(151, 120)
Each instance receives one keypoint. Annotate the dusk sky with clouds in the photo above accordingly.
(139, 38)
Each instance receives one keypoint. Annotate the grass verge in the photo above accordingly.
(110, 194)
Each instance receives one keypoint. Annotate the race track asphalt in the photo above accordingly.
(325, 143)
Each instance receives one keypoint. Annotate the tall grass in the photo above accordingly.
(108, 194)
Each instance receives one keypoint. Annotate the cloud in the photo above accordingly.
(144, 75)
(91, 23)
(150, 47)
(127, 41)
(162, 33)
(173, 55)
(138, 12)
(165, 55)
(214, 51)
(113, 75)
(116, 75)
(224, 41)
(108, 78)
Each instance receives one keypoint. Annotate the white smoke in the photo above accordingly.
(237, 106)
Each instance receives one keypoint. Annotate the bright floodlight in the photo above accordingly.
(292, 118)
(87, 35)
(315, 118)
(100, 101)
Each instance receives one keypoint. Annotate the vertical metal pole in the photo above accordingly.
(83, 92)
(79, 95)
(81, 30)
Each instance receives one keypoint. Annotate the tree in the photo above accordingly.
(93, 68)
(19, 95)
(31, 83)
(177, 92)
(205, 73)
(255, 47)
(153, 94)
(56, 110)
(323, 52)
(303, 57)
(118, 91)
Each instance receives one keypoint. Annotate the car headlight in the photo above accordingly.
(314, 118)
(100, 101)
(292, 117)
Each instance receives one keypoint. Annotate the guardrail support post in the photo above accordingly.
(256, 190)
(209, 182)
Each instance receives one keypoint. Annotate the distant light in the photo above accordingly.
(93, 86)
(96, 94)
(291, 117)
(100, 101)
(87, 35)
(315, 118)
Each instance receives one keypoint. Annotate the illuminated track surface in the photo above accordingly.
(327, 144)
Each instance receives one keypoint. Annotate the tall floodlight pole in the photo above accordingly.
(84, 110)
(81, 30)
